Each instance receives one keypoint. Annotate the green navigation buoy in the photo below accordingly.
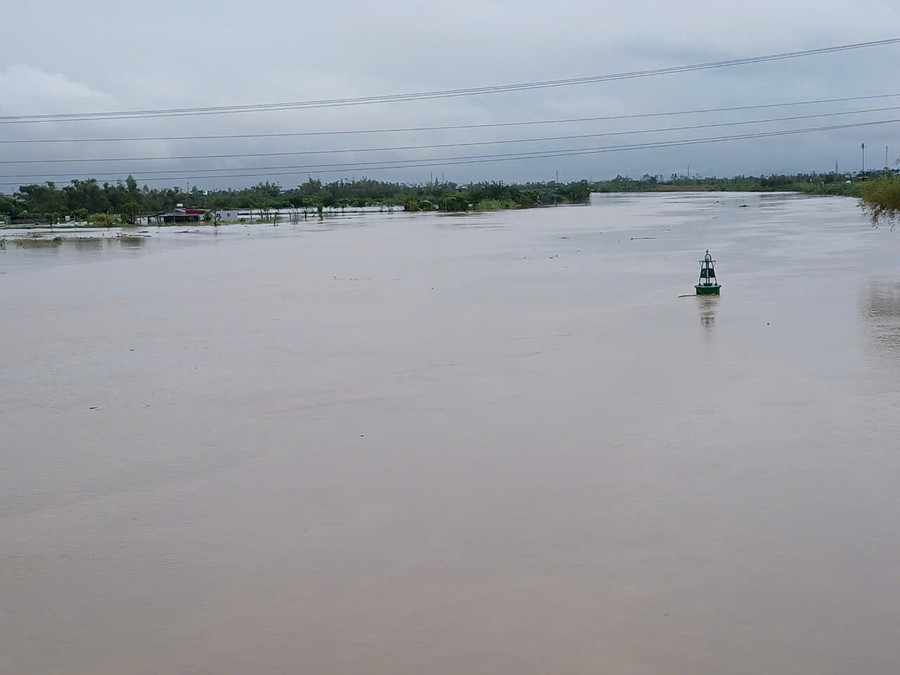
(708, 284)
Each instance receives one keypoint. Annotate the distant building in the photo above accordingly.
(228, 215)
(548, 199)
(182, 215)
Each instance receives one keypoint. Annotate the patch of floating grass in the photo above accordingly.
(37, 242)
(132, 239)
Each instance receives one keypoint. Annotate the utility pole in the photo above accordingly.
(863, 148)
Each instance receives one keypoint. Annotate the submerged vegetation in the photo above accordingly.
(37, 242)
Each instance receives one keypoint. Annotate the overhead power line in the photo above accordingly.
(274, 171)
(434, 146)
(445, 93)
(449, 127)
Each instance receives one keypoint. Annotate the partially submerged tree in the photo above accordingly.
(102, 219)
(881, 200)
(130, 212)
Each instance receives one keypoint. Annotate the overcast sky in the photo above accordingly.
(60, 57)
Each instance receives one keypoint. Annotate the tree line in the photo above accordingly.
(810, 183)
(124, 201)
(84, 200)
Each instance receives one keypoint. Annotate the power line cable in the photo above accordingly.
(447, 145)
(445, 93)
(490, 125)
(452, 161)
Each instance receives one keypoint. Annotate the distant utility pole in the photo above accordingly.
(863, 148)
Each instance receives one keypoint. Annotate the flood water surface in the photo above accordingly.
(495, 443)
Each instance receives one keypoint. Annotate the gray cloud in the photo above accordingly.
(112, 56)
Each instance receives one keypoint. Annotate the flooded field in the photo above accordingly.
(492, 443)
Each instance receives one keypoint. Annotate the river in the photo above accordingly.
(489, 443)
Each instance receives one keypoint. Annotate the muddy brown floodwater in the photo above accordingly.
(502, 443)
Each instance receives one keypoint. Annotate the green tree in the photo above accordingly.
(86, 194)
(454, 203)
(9, 208)
(880, 199)
(579, 192)
(310, 193)
(130, 212)
(42, 198)
(131, 187)
(102, 219)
